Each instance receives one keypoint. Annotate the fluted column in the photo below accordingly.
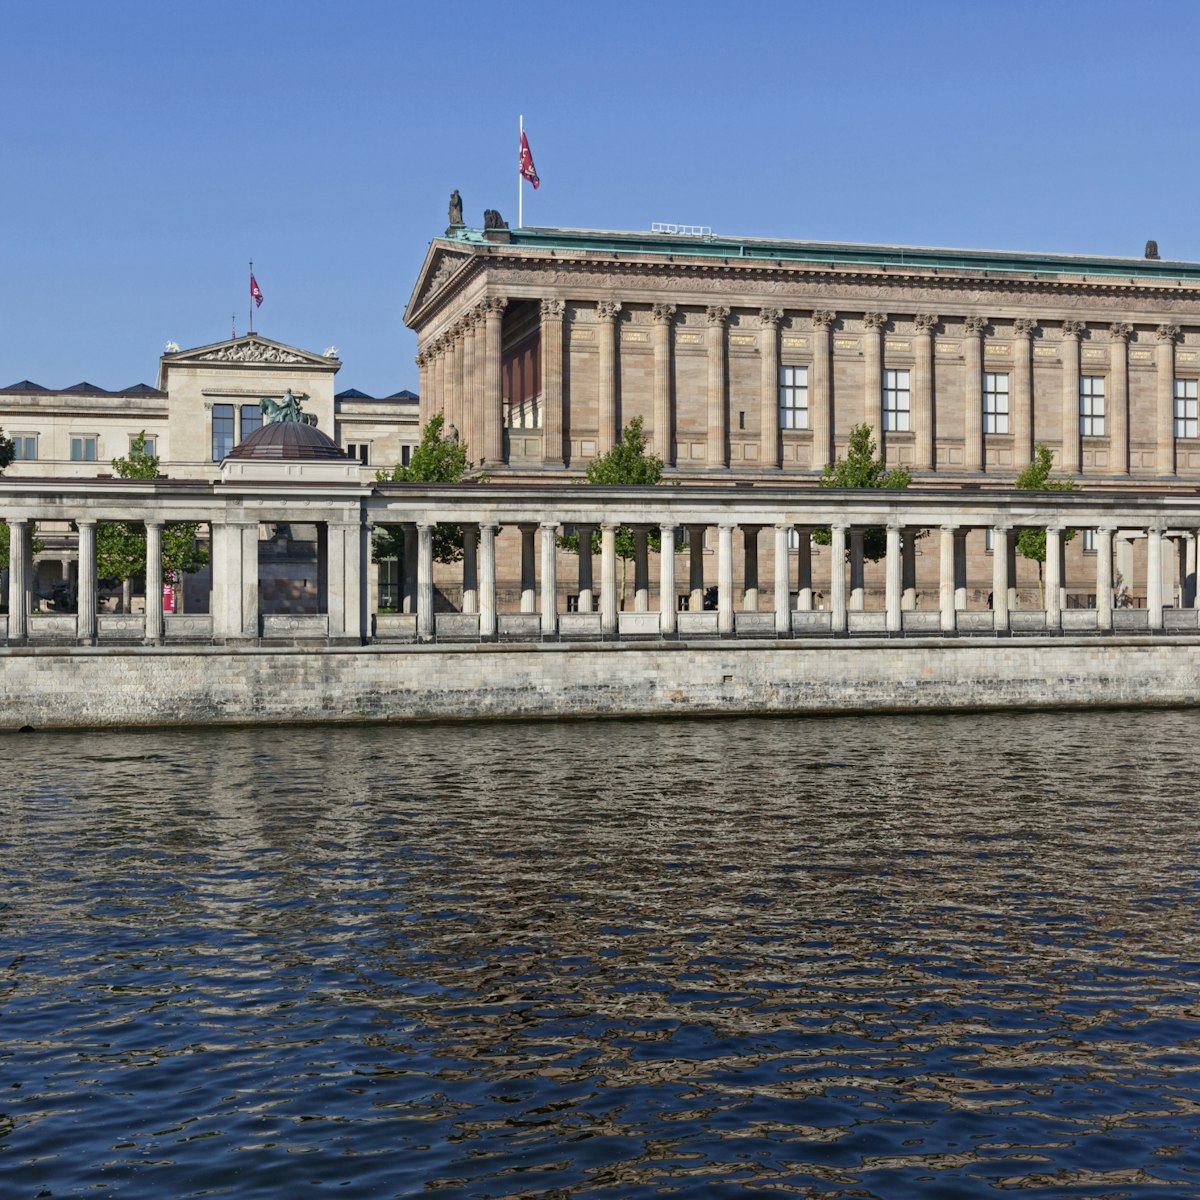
(874, 324)
(666, 581)
(820, 390)
(608, 579)
(1072, 333)
(770, 446)
(1189, 570)
(946, 578)
(783, 587)
(424, 405)
(493, 400)
(974, 457)
(1104, 577)
(1164, 362)
(750, 568)
(804, 588)
(837, 578)
(470, 572)
(725, 579)
(154, 583)
(552, 382)
(1154, 588)
(471, 430)
(424, 581)
(924, 419)
(606, 344)
(1021, 395)
(857, 582)
(587, 594)
(85, 607)
(1000, 580)
(695, 568)
(641, 569)
(528, 570)
(549, 578)
(718, 387)
(1053, 577)
(664, 401)
(454, 388)
(487, 580)
(1119, 334)
(18, 584)
(437, 375)
(892, 581)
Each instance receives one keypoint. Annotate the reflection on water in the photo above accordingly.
(893, 957)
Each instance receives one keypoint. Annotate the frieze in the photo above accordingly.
(634, 335)
(251, 352)
(687, 339)
(1185, 356)
(582, 335)
(1139, 355)
(892, 344)
(1096, 352)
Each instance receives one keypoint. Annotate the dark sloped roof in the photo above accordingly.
(140, 389)
(403, 394)
(353, 394)
(25, 385)
(287, 440)
(84, 389)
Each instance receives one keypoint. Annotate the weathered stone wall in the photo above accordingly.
(62, 688)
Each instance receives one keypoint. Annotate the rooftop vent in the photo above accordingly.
(694, 230)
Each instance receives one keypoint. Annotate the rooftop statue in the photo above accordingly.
(455, 208)
(287, 409)
(493, 220)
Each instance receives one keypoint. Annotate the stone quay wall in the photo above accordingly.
(80, 687)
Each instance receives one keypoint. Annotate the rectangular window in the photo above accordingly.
(405, 455)
(359, 450)
(151, 445)
(251, 419)
(83, 449)
(895, 401)
(793, 397)
(24, 447)
(995, 403)
(222, 431)
(1089, 541)
(1091, 405)
(988, 540)
(1185, 408)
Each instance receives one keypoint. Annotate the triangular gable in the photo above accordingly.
(440, 266)
(251, 350)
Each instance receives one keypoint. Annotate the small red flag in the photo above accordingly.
(528, 170)
(255, 292)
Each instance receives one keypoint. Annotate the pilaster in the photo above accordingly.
(770, 446)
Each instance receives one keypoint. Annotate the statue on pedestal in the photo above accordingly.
(287, 409)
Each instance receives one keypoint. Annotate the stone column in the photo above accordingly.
(783, 589)
(1012, 572)
(804, 588)
(696, 568)
(664, 405)
(437, 376)
(552, 383)
(960, 569)
(1053, 579)
(750, 568)
(1072, 333)
(493, 400)
(1000, 581)
(424, 406)
(892, 587)
(908, 569)
(609, 431)
(974, 457)
(641, 569)
(666, 581)
(725, 621)
(18, 585)
(608, 579)
(586, 590)
(946, 578)
(549, 578)
(924, 419)
(1119, 334)
(1154, 588)
(837, 578)
(472, 434)
(718, 387)
(857, 590)
(820, 390)
(770, 444)
(1164, 363)
(454, 389)
(1104, 577)
(528, 570)
(245, 551)
(487, 581)
(425, 625)
(874, 324)
(85, 619)
(409, 604)
(470, 576)
(154, 584)
(1189, 570)
(1021, 393)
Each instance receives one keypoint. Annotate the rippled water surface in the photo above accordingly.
(894, 957)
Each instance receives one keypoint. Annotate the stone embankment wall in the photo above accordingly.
(67, 687)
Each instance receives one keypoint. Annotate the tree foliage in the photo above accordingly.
(862, 469)
(7, 450)
(1031, 543)
(437, 459)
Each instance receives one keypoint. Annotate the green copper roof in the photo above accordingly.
(833, 253)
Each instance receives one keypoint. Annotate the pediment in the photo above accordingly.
(250, 350)
(440, 267)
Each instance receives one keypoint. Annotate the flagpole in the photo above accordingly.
(251, 290)
(520, 189)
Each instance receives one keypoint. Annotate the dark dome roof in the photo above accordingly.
(287, 440)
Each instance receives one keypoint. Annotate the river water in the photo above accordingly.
(870, 957)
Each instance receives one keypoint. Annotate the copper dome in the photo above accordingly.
(291, 440)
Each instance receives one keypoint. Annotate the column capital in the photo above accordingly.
(1106, 530)
(875, 320)
(823, 318)
(494, 306)
(490, 526)
(1024, 327)
(1120, 331)
(717, 314)
(151, 523)
(422, 359)
(609, 525)
(1000, 527)
(548, 525)
(426, 526)
(82, 521)
(926, 322)
(608, 310)
(1167, 333)
(21, 521)
(842, 526)
(769, 318)
(552, 310)
(976, 326)
(663, 314)
(1073, 329)
(895, 527)
(949, 528)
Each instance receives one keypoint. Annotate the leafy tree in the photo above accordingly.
(861, 469)
(1031, 543)
(437, 459)
(121, 545)
(626, 463)
(7, 450)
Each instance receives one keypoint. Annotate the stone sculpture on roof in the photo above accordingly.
(455, 208)
(287, 409)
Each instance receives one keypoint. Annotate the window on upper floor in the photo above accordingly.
(1089, 541)
(83, 448)
(405, 455)
(359, 450)
(793, 397)
(1185, 408)
(151, 443)
(1091, 405)
(896, 407)
(24, 447)
(250, 419)
(222, 431)
(995, 402)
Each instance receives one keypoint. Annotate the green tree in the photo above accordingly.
(437, 459)
(861, 469)
(121, 545)
(1031, 543)
(626, 463)
(7, 450)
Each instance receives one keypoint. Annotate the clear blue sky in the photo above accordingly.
(150, 149)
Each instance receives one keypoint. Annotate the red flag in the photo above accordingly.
(255, 292)
(528, 170)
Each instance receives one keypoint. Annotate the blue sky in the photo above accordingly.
(149, 150)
